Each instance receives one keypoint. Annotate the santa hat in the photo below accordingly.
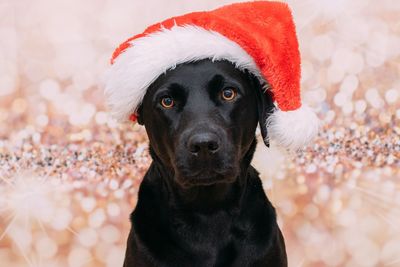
(257, 36)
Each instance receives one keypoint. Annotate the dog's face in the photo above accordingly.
(201, 119)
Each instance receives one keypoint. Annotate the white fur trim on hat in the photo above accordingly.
(150, 56)
(293, 129)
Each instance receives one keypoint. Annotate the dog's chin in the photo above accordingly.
(206, 178)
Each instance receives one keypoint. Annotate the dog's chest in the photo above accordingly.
(218, 240)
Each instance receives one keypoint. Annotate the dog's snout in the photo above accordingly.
(203, 143)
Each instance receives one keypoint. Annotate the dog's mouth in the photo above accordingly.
(206, 177)
(220, 167)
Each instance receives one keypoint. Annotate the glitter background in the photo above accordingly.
(69, 174)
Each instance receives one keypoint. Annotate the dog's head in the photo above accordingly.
(201, 119)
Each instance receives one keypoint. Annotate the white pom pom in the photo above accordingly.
(293, 129)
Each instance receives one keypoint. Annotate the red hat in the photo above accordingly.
(257, 36)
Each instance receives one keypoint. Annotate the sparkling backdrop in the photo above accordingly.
(69, 174)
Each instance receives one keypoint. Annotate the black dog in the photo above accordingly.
(201, 203)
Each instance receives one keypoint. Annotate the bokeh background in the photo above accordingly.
(69, 174)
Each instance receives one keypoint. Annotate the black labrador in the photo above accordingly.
(201, 203)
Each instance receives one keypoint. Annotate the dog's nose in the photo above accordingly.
(203, 143)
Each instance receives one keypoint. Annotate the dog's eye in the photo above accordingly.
(167, 102)
(228, 94)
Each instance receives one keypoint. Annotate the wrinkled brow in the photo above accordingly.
(216, 82)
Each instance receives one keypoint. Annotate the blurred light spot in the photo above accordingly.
(46, 247)
(321, 47)
(78, 257)
(88, 237)
(373, 98)
(49, 89)
(97, 218)
(360, 106)
(392, 95)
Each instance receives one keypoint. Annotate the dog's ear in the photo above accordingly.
(139, 115)
(265, 108)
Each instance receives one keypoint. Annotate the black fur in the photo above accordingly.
(204, 207)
